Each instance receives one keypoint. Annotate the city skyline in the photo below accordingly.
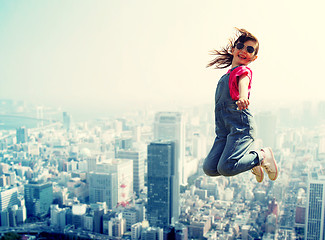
(95, 57)
(69, 157)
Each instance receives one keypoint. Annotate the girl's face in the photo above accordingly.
(244, 55)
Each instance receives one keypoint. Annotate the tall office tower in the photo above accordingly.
(138, 158)
(67, 121)
(22, 135)
(266, 125)
(124, 171)
(38, 197)
(314, 226)
(103, 188)
(8, 198)
(8, 206)
(163, 185)
(170, 126)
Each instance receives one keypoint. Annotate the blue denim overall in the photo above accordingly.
(235, 130)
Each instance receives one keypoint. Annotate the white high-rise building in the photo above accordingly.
(58, 216)
(138, 158)
(103, 188)
(123, 168)
(171, 126)
(314, 226)
(54, 214)
(8, 198)
(136, 231)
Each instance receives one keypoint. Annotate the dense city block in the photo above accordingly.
(139, 176)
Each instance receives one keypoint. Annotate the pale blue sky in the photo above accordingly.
(99, 54)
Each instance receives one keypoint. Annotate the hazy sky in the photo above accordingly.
(99, 54)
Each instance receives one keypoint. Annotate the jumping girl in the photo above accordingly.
(235, 126)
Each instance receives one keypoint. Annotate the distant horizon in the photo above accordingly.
(82, 113)
(127, 54)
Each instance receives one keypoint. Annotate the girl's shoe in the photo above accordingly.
(258, 172)
(269, 164)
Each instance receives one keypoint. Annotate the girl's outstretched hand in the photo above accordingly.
(242, 103)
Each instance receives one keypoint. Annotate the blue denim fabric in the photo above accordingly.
(235, 130)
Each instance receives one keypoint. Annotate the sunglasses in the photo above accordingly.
(249, 49)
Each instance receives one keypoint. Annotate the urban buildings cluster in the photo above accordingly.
(139, 176)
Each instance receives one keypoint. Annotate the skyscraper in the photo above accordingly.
(103, 188)
(8, 198)
(138, 158)
(38, 197)
(163, 185)
(58, 216)
(170, 126)
(67, 122)
(124, 172)
(22, 135)
(314, 227)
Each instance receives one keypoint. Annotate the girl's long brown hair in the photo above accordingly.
(224, 57)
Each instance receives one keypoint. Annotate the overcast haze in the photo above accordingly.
(105, 54)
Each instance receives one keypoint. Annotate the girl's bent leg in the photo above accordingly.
(211, 162)
(235, 159)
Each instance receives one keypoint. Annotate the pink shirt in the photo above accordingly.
(233, 80)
